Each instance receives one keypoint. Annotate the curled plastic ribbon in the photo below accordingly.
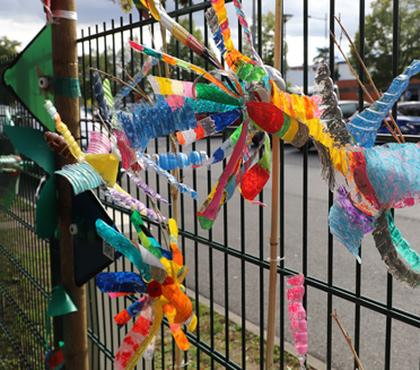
(146, 122)
(297, 316)
(182, 188)
(207, 126)
(120, 243)
(122, 197)
(64, 131)
(364, 126)
(148, 190)
(172, 161)
(99, 143)
(81, 177)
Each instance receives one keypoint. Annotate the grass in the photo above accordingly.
(252, 345)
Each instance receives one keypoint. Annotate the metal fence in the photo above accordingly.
(228, 275)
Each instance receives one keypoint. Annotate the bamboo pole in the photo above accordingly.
(64, 35)
(274, 237)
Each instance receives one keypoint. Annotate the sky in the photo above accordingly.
(21, 19)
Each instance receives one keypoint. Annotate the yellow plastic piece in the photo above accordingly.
(150, 5)
(68, 137)
(292, 131)
(193, 323)
(165, 85)
(106, 165)
(297, 108)
(173, 228)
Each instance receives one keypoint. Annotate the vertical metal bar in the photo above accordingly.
(282, 213)
(358, 282)
(305, 151)
(389, 287)
(330, 257)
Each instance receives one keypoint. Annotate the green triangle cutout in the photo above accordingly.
(23, 75)
(31, 143)
(60, 302)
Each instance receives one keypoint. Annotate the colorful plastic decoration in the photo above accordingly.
(365, 125)
(297, 316)
(172, 161)
(254, 96)
(160, 288)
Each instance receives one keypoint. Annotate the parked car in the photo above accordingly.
(408, 118)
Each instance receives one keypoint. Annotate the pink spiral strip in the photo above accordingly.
(297, 315)
(99, 143)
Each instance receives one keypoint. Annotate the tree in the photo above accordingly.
(378, 43)
(267, 39)
(8, 48)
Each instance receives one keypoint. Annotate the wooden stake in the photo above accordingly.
(65, 65)
(348, 340)
(363, 87)
(369, 76)
(274, 237)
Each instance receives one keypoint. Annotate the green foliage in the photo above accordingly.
(267, 39)
(378, 44)
(8, 48)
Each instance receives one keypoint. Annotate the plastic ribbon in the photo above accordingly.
(99, 143)
(254, 179)
(99, 94)
(182, 188)
(124, 316)
(232, 55)
(120, 243)
(210, 125)
(365, 125)
(397, 265)
(172, 161)
(125, 282)
(209, 210)
(181, 34)
(167, 86)
(64, 131)
(65, 14)
(81, 177)
(122, 197)
(146, 122)
(180, 63)
(297, 316)
(331, 113)
(348, 224)
(245, 27)
(148, 190)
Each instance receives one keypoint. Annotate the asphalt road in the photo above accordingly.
(227, 270)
